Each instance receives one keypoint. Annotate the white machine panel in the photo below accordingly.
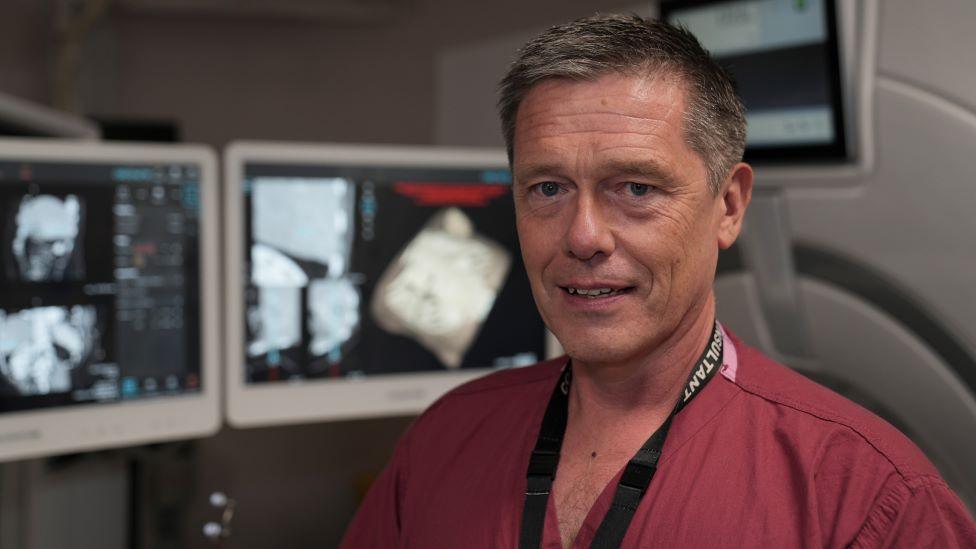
(885, 367)
(862, 274)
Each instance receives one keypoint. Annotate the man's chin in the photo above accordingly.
(609, 346)
(598, 353)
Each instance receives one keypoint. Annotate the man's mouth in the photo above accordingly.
(595, 293)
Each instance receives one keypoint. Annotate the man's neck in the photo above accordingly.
(645, 386)
(614, 408)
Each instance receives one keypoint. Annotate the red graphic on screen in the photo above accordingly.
(450, 194)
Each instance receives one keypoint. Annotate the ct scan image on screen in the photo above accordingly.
(45, 231)
(99, 283)
(44, 348)
(364, 271)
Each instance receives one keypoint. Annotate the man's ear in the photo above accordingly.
(735, 195)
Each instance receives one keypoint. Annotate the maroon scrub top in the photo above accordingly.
(762, 457)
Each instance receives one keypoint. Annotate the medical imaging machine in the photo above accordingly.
(368, 280)
(108, 296)
(857, 264)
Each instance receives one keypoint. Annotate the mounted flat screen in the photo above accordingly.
(108, 295)
(784, 57)
(369, 280)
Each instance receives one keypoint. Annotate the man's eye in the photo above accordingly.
(548, 188)
(638, 189)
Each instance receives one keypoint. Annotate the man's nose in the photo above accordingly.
(589, 235)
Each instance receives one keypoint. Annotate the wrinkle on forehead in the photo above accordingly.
(642, 92)
(592, 122)
(642, 106)
(603, 124)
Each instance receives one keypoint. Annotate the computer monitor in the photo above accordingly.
(368, 280)
(784, 57)
(108, 295)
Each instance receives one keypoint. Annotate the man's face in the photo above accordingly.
(608, 196)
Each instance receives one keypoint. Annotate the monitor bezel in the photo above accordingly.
(95, 426)
(264, 404)
(840, 150)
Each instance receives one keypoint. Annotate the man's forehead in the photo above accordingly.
(606, 125)
(631, 92)
(616, 103)
(638, 109)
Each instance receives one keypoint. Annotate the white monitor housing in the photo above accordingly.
(368, 280)
(108, 308)
(784, 51)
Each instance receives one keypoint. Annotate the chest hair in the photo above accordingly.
(580, 480)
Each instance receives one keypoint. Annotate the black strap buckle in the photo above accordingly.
(543, 464)
(637, 476)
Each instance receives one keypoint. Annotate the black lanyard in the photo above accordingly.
(637, 475)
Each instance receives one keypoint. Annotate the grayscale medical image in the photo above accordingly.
(367, 271)
(41, 347)
(308, 219)
(334, 314)
(45, 238)
(441, 287)
(276, 321)
(99, 283)
(302, 301)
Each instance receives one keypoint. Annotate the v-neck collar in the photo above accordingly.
(701, 411)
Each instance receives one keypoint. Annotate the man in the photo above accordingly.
(625, 140)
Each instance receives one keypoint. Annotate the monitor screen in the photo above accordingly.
(100, 280)
(367, 263)
(783, 55)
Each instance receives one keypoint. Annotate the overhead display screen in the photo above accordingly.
(99, 282)
(358, 271)
(783, 55)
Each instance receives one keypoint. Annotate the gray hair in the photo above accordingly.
(714, 118)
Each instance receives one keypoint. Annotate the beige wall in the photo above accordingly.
(26, 44)
(227, 78)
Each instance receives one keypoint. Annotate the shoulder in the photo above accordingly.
(870, 485)
(529, 378)
(493, 398)
(493, 419)
(839, 428)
